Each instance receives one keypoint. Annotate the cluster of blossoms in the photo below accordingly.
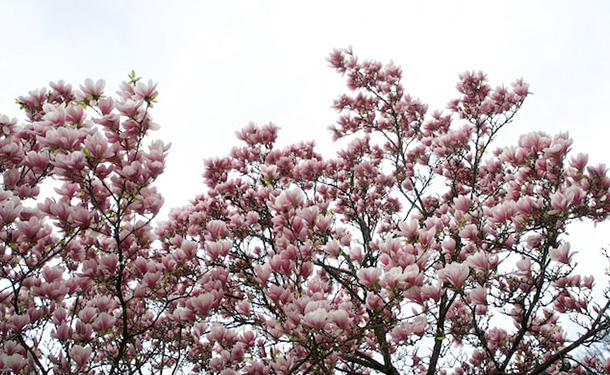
(419, 249)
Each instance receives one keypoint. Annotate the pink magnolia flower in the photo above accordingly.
(104, 322)
(51, 274)
(394, 279)
(18, 322)
(419, 325)
(455, 274)
(478, 295)
(449, 245)
(244, 308)
(369, 276)
(87, 314)
(482, 260)
(14, 362)
(289, 199)
(316, 319)
(373, 302)
(561, 253)
(81, 355)
(356, 253)
(146, 91)
(409, 230)
(94, 90)
(263, 273)
(106, 105)
(341, 318)
(524, 265)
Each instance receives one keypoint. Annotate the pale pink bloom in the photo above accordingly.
(373, 302)
(341, 318)
(9, 211)
(60, 315)
(109, 262)
(62, 332)
(289, 199)
(394, 279)
(561, 201)
(244, 308)
(96, 147)
(419, 325)
(104, 322)
(561, 253)
(51, 274)
(433, 292)
(409, 230)
(280, 263)
(36, 160)
(426, 237)
(306, 269)
(218, 249)
(263, 273)
(412, 274)
(80, 217)
(270, 172)
(15, 362)
(369, 276)
(203, 303)
(478, 295)
(106, 105)
(217, 229)
(218, 333)
(151, 279)
(253, 134)
(462, 203)
(145, 91)
(91, 89)
(449, 245)
(455, 274)
(332, 248)
(316, 319)
(469, 232)
(401, 332)
(525, 205)
(482, 260)
(587, 282)
(248, 338)
(560, 146)
(18, 322)
(80, 355)
(533, 241)
(503, 212)
(323, 223)
(183, 314)
(87, 314)
(105, 303)
(252, 218)
(283, 365)
(525, 265)
(579, 161)
(356, 253)
(278, 294)
(217, 364)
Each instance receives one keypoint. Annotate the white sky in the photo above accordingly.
(220, 65)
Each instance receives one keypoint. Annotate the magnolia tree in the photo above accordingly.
(419, 249)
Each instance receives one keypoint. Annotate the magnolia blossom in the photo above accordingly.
(561, 253)
(455, 274)
(369, 276)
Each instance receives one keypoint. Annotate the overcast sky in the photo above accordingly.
(220, 65)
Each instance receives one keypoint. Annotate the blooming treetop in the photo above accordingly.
(419, 249)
